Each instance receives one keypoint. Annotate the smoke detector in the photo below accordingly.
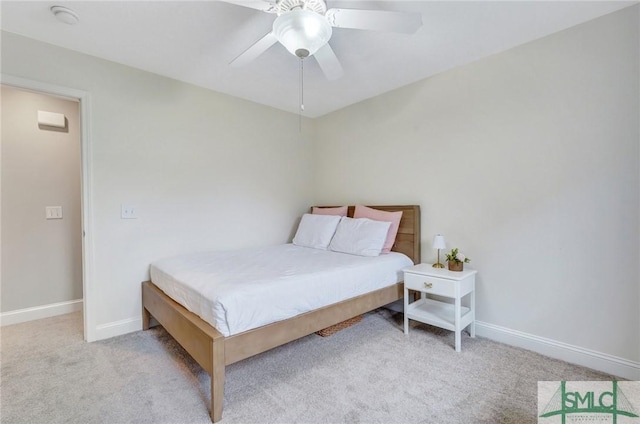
(66, 15)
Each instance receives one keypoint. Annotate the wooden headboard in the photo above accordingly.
(408, 238)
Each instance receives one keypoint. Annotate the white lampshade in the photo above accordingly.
(302, 32)
(438, 242)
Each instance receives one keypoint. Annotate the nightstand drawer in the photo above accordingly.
(431, 285)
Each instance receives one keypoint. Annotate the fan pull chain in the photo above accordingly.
(301, 93)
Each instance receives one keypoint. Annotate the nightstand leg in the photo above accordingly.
(457, 324)
(472, 305)
(406, 308)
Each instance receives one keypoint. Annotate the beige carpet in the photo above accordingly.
(369, 373)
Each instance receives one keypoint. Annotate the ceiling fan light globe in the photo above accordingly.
(302, 31)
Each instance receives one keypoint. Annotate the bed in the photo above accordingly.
(213, 350)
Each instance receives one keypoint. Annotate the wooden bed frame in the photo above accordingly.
(213, 351)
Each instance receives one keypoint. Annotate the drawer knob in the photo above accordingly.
(428, 285)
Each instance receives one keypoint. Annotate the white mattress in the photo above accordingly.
(239, 290)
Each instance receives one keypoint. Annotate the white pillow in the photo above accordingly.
(361, 236)
(316, 231)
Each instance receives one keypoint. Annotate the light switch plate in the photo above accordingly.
(53, 212)
(128, 212)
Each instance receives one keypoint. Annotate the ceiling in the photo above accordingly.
(194, 41)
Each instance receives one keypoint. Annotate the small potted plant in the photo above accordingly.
(456, 260)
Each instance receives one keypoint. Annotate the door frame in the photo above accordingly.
(84, 98)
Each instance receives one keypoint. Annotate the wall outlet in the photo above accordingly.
(128, 212)
(53, 212)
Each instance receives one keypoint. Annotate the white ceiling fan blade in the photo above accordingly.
(329, 62)
(377, 20)
(264, 5)
(259, 47)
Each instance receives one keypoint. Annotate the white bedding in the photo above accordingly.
(239, 290)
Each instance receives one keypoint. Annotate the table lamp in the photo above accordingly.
(438, 243)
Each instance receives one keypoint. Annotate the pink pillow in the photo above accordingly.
(341, 211)
(378, 215)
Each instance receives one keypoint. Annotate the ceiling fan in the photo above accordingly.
(304, 28)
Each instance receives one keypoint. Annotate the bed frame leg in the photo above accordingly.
(217, 378)
(146, 318)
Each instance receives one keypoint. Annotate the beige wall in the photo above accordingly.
(528, 161)
(204, 170)
(41, 259)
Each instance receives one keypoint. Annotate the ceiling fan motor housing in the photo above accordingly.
(284, 6)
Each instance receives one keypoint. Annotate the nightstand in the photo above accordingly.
(443, 283)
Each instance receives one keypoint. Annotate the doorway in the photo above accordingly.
(46, 248)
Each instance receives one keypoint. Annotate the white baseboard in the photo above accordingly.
(610, 364)
(39, 312)
(118, 328)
